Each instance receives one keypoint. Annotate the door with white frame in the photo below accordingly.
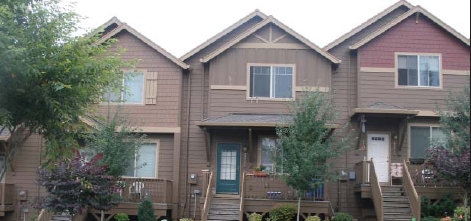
(378, 149)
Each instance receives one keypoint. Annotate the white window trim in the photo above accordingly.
(293, 90)
(409, 130)
(157, 153)
(440, 68)
(142, 103)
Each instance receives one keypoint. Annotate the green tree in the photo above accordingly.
(453, 159)
(308, 144)
(117, 141)
(48, 77)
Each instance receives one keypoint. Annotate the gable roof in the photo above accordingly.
(124, 26)
(223, 33)
(268, 20)
(367, 23)
(406, 15)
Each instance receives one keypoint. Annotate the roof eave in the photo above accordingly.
(251, 124)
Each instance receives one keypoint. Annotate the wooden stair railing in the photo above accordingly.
(44, 216)
(207, 199)
(411, 192)
(377, 195)
(242, 197)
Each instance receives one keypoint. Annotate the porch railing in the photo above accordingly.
(242, 193)
(411, 192)
(377, 194)
(138, 189)
(362, 170)
(208, 184)
(7, 194)
(274, 188)
(427, 175)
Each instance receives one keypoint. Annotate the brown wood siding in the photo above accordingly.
(165, 111)
(24, 177)
(346, 96)
(380, 87)
(422, 37)
(192, 139)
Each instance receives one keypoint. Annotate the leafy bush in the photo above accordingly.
(430, 218)
(121, 217)
(146, 211)
(255, 217)
(342, 217)
(459, 213)
(313, 218)
(282, 212)
(445, 205)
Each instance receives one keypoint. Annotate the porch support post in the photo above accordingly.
(403, 134)
(251, 156)
(207, 140)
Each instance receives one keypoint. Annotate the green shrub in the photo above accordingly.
(282, 212)
(459, 213)
(121, 217)
(445, 206)
(342, 217)
(313, 218)
(146, 211)
(255, 217)
(430, 218)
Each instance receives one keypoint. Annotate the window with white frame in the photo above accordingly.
(424, 137)
(271, 81)
(144, 163)
(132, 91)
(269, 150)
(419, 70)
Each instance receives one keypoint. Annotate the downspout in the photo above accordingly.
(187, 141)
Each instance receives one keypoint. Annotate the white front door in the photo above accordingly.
(378, 149)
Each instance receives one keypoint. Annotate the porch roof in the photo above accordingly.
(250, 120)
(382, 108)
(4, 133)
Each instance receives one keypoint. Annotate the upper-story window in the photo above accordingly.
(271, 81)
(419, 70)
(132, 91)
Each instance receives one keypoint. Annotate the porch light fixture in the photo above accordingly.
(244, 148)
(363, 126)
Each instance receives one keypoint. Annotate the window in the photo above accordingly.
(422, 138)
(268, 150)
(419, 70)
(132, 91)
(271, 81)
(145, 165)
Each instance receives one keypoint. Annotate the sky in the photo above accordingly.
(180, 25)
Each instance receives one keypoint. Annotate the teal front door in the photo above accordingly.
(228, 168)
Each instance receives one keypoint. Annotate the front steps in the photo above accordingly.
(396, 206)
(224, 209)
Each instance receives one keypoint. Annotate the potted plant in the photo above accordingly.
(259, 171)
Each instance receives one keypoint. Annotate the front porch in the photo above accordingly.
(134, 190)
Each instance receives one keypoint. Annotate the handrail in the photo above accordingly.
(44, 215)
(376, 192)
(411, 192)
(207, 199)
(362, 170)
(242, 196)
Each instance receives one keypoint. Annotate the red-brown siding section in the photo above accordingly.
(422, 37)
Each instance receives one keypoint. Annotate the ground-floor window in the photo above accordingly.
(145, 162)
(269, 150)
(422, 138)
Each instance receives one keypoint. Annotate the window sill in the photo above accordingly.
(270, 99)
(419, 88)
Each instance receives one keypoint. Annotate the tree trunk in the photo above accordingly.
(466, 206)
(299, 208)
(102, 218)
